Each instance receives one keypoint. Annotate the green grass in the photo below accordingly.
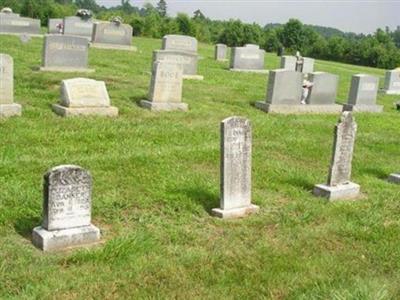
(156, 178)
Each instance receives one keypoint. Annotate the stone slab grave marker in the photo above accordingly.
(288, 62)
(7, 106)
(248, 59)
(82, 96)
(112, 35)
(66, 210)
(363, 93)
(308, 65)
(339, 186)
(53, 26)
(179, 43)
(15, 25)
(165, 93)
(392, 82)
(78, 26)
(236, 141)
(63, 53)
(221, 52)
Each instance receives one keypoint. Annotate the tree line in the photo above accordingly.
(380, 49)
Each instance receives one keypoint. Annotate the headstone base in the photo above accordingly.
(66, 70)
(340, 192)
(113, 47)
(394, 178)
(9, 110)
(363, 108)
(22, 33)
(66, 238)
(392, 92)
(235, 213)
(299, 109)
(193, 77)
(163, 106)
(249, 71)
(63, 111)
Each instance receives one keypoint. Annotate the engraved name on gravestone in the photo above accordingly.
(7, 106)
(235, 169)
(19, 25)
(187, 60)
(179, 43)
(363, 94)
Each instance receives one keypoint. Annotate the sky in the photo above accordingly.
(360, 16)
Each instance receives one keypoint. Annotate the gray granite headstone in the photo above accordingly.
(392, 82)
(394, 178)
(19, 25)
(112, 34)
(78, 26)
(249, 58)
(179, 43)
(189, 61)
(363, 94)
(339, 185)
(66, 210)
(324, 89)
(308, 65)
(65, 53)
(7, 106)
(165, 93)
(235, 169)
(288, 62)
(221, 52)
(284, 87)
(54, 26)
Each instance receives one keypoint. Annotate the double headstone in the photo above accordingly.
(339, 186)
(16, 25)
(66, 210)
(165, 93)
(63, 53)
(221, 52)
(7, 106)
(235, 169)
(55, 26)
(249, 58)
(112, 35)
(82, 96)
(363, 93)
(392, 82)
(78, 26)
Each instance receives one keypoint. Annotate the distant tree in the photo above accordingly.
(271, 41)
(162, 8)
(198, 15)
(292, 35)
(185, 25)
(232, 34)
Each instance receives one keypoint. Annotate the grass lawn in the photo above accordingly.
(156, 178)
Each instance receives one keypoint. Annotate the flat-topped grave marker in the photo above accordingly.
(221, 52)
(248, 59)
(112, 35)
(78, 26)
(288, 62)
(16, 25)
(179, 43)
(165, 93)
(236, 146)
(82, 96)
(66, 210)
(392, 82)
(7, 106)
(339, 186)
(363, 93)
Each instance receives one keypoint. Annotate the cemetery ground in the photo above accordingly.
(156, 179)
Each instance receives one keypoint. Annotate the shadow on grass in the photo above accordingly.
(300, 183)
(24, 226)
(203, 197)
(137, 99)
(378, 173)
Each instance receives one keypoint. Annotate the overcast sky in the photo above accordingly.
(361, 16)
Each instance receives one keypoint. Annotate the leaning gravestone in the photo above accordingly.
(248, 59)
(78, 26)
(7, 106)
(392, 82)
(15, 25)
(394, 178)
(221, 52)
(82, 96)
(112, 35)
(62, 53)
(235, 169)
(339, 186)
(55, 26)
(363, 93)
(288, 62)
(66, 210)
(165, 92)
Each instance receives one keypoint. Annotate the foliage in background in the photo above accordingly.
(380, 49)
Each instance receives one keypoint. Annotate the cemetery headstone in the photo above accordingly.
(165, 93)
(221, 52)
(392, 82)
(7, 106)
(78, 26)
(339, 186)
(308, 65)
(363, 93)
(188, 60)
(288, 62)
(66, 210)
(248, 59)
(112, 35)
(179, 43)
(55, 26)
(82, 96)
(63, 53)
(16, 25)
(323, 92)
(235, 169)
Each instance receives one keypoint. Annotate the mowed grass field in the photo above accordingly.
(156, 178)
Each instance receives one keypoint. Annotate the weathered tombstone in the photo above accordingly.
(66, 210)
(339, 186)
(248, 59)
(82, 96)
(394, 178)
(308, 65)
(288, 62)
(179, 43)
(55, 26)
(78, 26)
(221, 52)
(112, 35)
(63, 53)
(235, 169)
(392, 82)
(363, 93)
(284, 91)
(165, 93)
(188, 60)
(7, 106)
(15, 25)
